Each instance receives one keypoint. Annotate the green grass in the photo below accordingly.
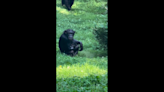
(87, 71)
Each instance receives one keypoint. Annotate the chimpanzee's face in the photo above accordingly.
(70, 36)
(69, 33)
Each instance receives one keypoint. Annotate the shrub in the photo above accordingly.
(101, 33)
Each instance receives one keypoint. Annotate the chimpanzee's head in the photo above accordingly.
(69, 33)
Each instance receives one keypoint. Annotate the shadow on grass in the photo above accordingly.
(76, 9)
(87, 54)
(63, 59)
(92, 54)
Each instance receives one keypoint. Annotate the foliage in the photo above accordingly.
(101, 33)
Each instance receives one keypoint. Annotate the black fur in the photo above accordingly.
(68, 3)
(68, 44)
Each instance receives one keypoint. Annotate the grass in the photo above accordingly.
(88, 70)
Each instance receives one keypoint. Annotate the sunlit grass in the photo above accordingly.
(78, 70)
(63, 11)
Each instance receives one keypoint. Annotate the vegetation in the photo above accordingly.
(87, 71)
(101, 33)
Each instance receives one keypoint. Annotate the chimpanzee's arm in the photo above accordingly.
(71, 2)
(81, 45)
(67, 4)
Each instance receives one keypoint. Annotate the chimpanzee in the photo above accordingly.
(68, 3)
(68, 44)
(73, 50)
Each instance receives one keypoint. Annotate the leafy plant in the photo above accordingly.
(101, 33)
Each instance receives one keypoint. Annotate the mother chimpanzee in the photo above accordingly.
(68, 44)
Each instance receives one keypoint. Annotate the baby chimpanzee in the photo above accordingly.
(73, 50)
